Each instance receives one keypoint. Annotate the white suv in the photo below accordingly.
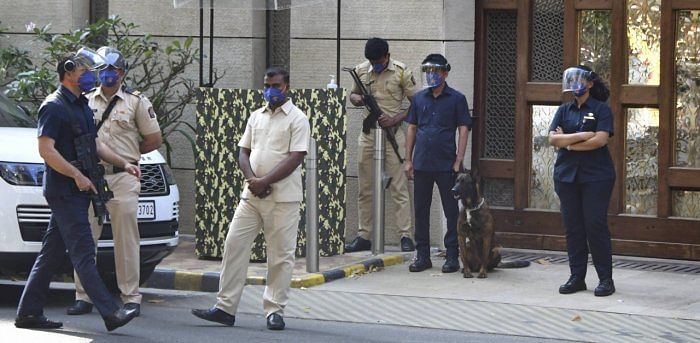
(24, 214)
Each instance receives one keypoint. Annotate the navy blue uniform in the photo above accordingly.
(584, 181)
(434, 155)
(69, 228)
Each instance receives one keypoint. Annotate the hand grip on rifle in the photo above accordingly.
(87, 162)
(374, 113)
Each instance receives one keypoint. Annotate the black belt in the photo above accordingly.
(116, 170)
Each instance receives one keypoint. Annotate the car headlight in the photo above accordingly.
(168, 174)
(22, 174)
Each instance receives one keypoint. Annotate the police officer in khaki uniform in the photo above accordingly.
(274, 144)
(128, 125)
(389, 81)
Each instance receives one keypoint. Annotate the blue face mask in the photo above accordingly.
(86, 81)
(378, 67)
(109, 78)
(580, 90)
(434, 79)
(274, 96)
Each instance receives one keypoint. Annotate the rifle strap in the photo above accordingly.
(107, 111)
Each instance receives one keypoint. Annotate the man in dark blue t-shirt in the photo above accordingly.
(63, 117)
(436, 114)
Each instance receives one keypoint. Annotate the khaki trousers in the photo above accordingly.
(279, 221)
(122, 215)
(398, 187)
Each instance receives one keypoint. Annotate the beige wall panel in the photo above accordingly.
(185, 184)
(312, 62)
(397, 19)
(240, 67)
(159, 17)
(63, 15)
(461, 58)
(459, 19)
(315, 21)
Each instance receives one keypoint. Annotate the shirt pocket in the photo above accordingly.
(258, 139)
(279, 140)
(570, 124)
(590, 122)
(121, 122)
(393, 88)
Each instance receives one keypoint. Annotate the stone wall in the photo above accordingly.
(414, 28)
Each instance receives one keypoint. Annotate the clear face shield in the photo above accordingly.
(575, 80)
(112, 57)
(433, 74)
(88, 58)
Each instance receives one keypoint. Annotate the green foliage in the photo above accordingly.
(155, 68)
(12, 61)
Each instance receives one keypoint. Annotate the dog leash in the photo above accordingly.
(478, 206)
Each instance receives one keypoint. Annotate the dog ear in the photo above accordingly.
(475, 174)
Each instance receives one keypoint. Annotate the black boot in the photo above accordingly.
(420, 264)
(605, 287)
(451, 264)
(575, 284)
(358, 244)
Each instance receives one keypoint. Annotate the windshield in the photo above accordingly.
(13, 116)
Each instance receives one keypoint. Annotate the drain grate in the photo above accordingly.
(654, 266)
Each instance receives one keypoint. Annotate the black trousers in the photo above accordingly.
(584, 208)
(422, 198)
(69, 230)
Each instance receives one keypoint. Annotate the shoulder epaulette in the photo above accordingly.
(132, 91)
(400, 65)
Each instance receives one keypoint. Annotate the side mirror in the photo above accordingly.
(24, 109)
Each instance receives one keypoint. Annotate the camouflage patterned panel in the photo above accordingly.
(221, 120)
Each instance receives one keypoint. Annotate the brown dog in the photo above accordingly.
(482, 252)
(475, 222)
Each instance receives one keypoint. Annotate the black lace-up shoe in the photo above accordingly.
(119, 318)
(407, 244)
(451, 265)
(80, 307)
(574, 285)
(215, 315)
(358, 244)
(275, 322)
(420, 264)
(605, 287)
(36, 322)
(133, 306)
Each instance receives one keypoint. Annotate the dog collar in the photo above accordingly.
(478, 206)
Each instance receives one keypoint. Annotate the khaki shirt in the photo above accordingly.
(271, 136)
(131, 118)
(389, 87)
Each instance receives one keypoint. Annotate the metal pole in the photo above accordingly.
(378, 194)
(311, 209)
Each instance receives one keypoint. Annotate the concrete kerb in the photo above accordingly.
(209, 281)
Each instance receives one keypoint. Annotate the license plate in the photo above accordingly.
(146, 210)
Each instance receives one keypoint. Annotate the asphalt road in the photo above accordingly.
(165, 318)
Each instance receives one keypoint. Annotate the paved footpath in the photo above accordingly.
(649, 306)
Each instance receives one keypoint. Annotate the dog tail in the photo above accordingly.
(514, 264)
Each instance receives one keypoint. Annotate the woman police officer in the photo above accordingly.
(584, 176)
